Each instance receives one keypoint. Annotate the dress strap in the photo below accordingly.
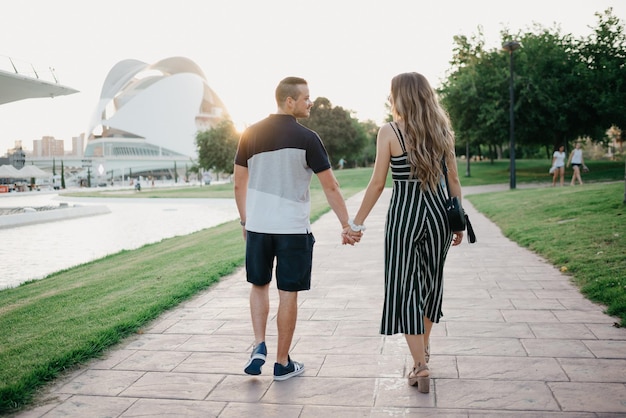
(398, 133)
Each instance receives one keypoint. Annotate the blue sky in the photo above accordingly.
(348, 50)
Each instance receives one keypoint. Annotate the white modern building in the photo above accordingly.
(148, 116)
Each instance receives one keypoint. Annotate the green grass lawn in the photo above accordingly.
(51, 325)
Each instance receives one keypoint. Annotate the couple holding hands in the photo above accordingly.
(274, 164)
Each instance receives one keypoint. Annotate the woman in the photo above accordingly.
(577, 161)
(558, 165)
(417, 236)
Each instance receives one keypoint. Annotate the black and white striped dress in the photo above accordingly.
(417, 240)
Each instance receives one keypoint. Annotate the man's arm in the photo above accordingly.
(333, 195)
(240, 178)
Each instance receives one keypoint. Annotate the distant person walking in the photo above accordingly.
(558, 165)
(577, 161)
(275, 161)
(417, 235)
(342, 162)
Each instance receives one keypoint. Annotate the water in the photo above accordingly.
(34, 251)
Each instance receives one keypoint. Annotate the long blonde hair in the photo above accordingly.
(428, 134)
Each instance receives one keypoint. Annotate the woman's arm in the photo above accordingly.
(379, 175)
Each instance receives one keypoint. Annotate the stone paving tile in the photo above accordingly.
(91, 406)
(153, 360)
(398, 394)
(194, 326)
(495, 394)
(510, 368)
(524, 414)
(556, 348)
(489, 329)
(340, 345)
(598, 397)
(481, 315)
(220, 343)
(529, 316)
(193, 386)
(562, 331)
(373, 365)
(101, 382)
(150, 341)
(474, 304)
(607, 332)
(477, 346)
(541, 304)
(261, 410)
(214, 363)
(606, 349)
(158, 408)
(594, 370)
(241, 389)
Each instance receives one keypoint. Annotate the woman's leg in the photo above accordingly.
(577, 174)
(428, 326)
(416, 346)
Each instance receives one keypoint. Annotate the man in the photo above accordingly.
(275, 161)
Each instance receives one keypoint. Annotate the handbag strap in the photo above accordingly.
(445, 175)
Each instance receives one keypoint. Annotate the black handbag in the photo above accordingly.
(457, 218)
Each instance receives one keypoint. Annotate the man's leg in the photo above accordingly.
(259, 311)
(286, 323)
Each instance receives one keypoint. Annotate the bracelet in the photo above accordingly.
(354, 227)
(242, 223)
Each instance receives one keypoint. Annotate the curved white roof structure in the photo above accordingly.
(152, 110)
(16, 87)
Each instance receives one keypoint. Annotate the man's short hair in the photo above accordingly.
(288, 87)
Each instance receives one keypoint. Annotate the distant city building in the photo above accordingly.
(48, 146)
(78, 145)
(15, 156)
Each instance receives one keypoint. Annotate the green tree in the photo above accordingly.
(367, 154)
(565, 88)
(217, 147)
(551, 104)
(339, 131)
(603, 54)
(476, 96)
(62, 175)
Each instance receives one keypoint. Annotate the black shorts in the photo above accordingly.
(294, 259)
(576, 165)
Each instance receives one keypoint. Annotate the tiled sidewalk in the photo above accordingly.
(517, 340)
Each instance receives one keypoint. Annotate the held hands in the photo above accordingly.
(350, 237)
(352, 233)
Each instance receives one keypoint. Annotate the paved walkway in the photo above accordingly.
(517, 340)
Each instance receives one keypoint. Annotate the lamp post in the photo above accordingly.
(510, 47)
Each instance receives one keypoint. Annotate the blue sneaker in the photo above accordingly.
(257, 359)
(293, 368)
